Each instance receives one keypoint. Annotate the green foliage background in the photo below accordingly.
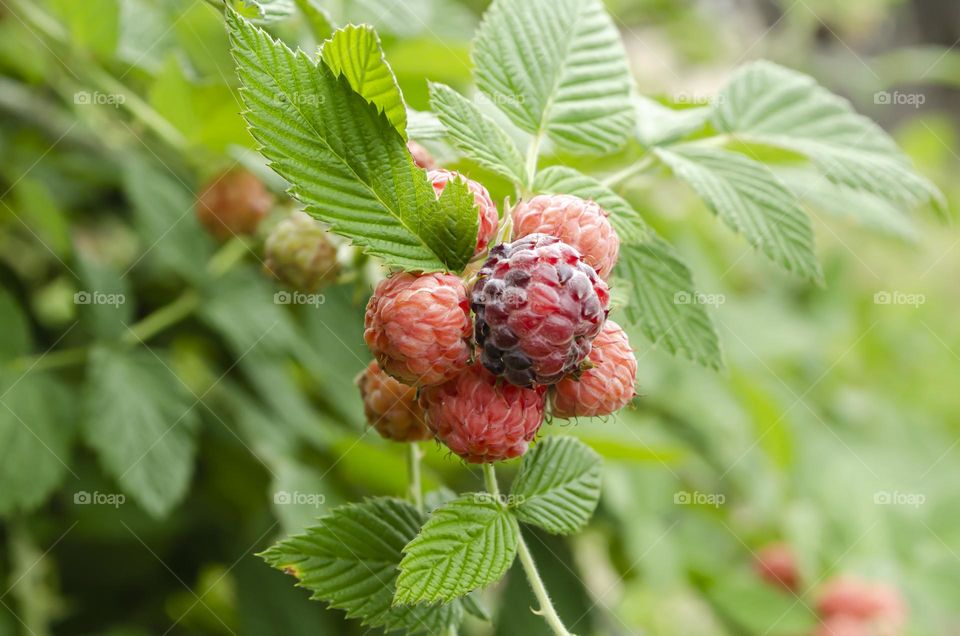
(833, 425)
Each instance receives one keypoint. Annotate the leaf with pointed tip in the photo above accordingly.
(350, 561)
(345, 160)
(465, 545)
(355, 53)
(749, 198)
(558, 487)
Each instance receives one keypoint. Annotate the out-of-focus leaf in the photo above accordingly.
(39, 210)
(658, 124)
(319, 19)
(758, 608)
(15, 337)
(105, 301)
(37, 427)
(769, 104)
(93, 24)
(142, 423)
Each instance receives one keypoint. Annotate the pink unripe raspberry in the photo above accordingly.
(483, 420)
(487, 210)
(876, 604)
(777, 565)
(582, 224)
(299, 253)
(391, 407)
(606, 387)
(421, 156)
(538, 306)
(418, 327)
(233, 203)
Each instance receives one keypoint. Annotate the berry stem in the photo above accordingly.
(547, 610)
(533, 154)
(414, 455)
(629, 172)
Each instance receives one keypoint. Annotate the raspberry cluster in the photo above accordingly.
(476, 364)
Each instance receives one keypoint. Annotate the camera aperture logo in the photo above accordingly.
(98, 298)
(298, 298)
(297, 498)
(697, 498)
(96, 498)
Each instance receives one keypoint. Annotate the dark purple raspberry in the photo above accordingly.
(538, 306)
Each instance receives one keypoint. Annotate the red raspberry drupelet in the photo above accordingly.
(483, 420)
(418, 327)
(538, 306)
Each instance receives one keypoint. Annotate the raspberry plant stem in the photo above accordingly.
(547, 611)
(414, 455)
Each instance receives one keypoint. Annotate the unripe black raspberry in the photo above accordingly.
(233, 203)
(538, 306)
(299, 253)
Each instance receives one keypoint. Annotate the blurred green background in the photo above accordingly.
(833, 428)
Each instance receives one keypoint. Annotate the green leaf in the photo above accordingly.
(165, 221)
(354, 52)
(321, 24)
(751, 200)
(477, 136)
(264, 11)
(558, 487)
(465, 545)
(346, 161)
(350, 561)
(424, 125)
(629, 225)
(663, 290)
(141, 421)
(768, 104)
(658, 124)
(557, 67)
(758, 608)
(37, 427)
(15, 337)
(104, 302)
(848, 203)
